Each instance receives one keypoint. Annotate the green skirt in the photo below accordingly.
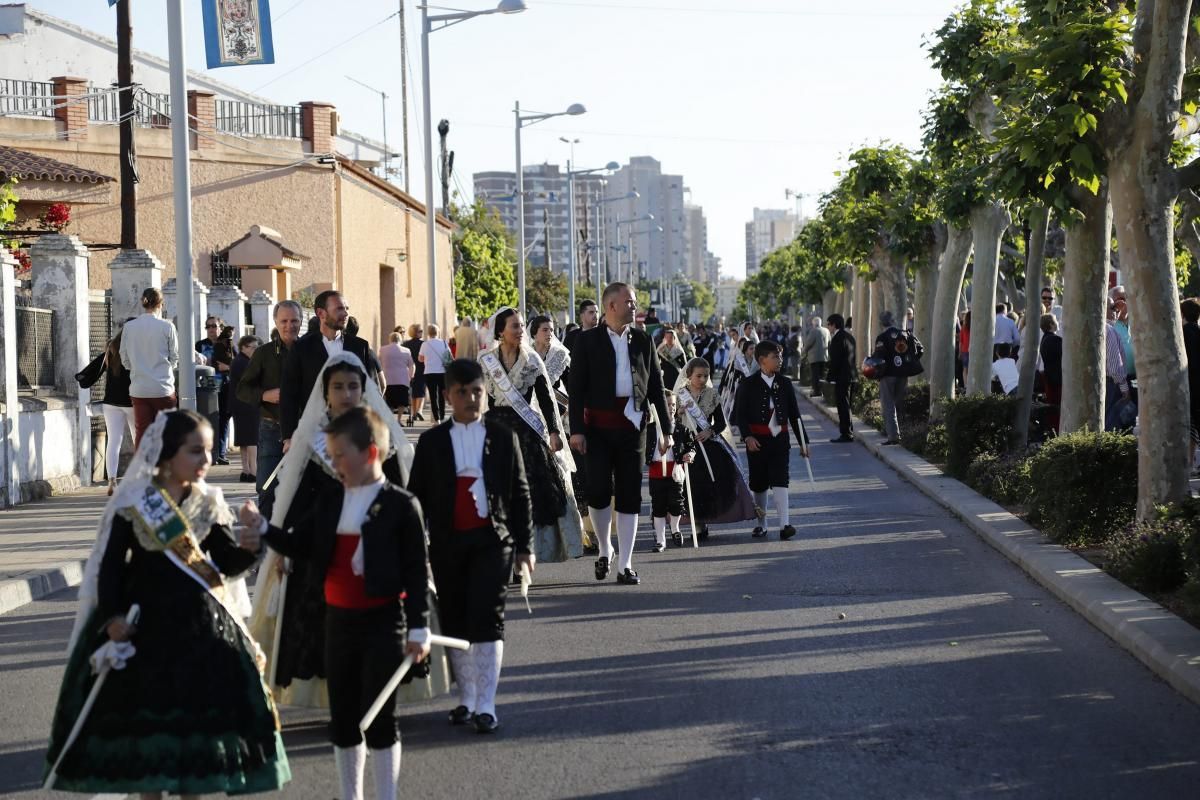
(189, 713)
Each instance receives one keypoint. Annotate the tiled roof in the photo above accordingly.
(24, 165)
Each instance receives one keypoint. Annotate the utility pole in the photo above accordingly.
(404, 93)
(447, 161)
(129, 177)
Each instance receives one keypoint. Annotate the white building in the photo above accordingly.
(650, 255)
(727, 292)
(702, 265)
(769, 229)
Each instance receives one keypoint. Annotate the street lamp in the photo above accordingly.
(619, 223)
(427, 22)
(383, 97)
(574, 110)
(571, 173)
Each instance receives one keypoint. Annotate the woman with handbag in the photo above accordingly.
(117, 405)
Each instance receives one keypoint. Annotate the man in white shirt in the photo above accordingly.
(1006, 330)
(150, 351)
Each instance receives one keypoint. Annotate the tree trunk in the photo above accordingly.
(988, 224)
(891, 281)
(869, 311)
(1035, 264)
(828, 303)
(925, 291)
(943, 348)
(1085, 295)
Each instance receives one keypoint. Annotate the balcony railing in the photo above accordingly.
(256, 119)
(27, 98)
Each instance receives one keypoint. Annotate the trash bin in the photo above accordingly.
(208, 385)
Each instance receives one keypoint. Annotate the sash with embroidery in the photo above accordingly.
(700, 421)
(491, 363)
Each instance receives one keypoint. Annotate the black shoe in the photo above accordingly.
(246, 477)
(758, 532)
(221, 462)
(658, 548)
(628, 577)
(486, 723)
(842, 439)
(418, 417)
(461, 716)
(703, 534)
(601, 568)
(787, 532)
(677, 538)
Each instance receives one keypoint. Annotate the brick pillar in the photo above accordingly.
(202, 113)
(316, 125)
(60, 283)
(73, 118)
(262, 308)
(10, 478)
(133, 272)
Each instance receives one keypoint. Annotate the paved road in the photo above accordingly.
(729, 673)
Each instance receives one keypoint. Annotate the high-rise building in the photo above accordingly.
(650, 255)
(702, 265)
(769, 229)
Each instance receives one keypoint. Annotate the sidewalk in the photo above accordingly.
(1162, 641)
(44, 544)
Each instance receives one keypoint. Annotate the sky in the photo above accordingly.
(744, 98)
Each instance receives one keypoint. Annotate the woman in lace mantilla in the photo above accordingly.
(184, 710)
(519, 396)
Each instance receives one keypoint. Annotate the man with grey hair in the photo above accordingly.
(901, 354)
(816, 352)
(260, 384)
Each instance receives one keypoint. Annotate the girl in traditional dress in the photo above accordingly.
(671, 357)
(741, 365)
(513, 374)
(720, 492)
(184, 709)
(295, 643)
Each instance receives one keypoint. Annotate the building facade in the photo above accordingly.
(770, 228)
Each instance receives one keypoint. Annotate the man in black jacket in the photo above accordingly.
(615, 380)
(306, 358)
(470, 478)
(843, 371)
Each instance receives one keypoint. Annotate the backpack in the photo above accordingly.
(902, 352)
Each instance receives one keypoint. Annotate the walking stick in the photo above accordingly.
(398, 675)
(275, 639)
(130, 619)
(687, 484)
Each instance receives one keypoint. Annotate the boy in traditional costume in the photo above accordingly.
(184, 709)
(668, 501)
(364, 544)
(766, 404)
(469, 475)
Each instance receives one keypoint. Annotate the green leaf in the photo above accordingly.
(1081, 156)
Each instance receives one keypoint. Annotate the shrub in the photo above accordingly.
(914, 435)
(864, 392)
(976, 424)
(872, 414)
(936, 444)
(916, 403)
(1004, 479)
(1149, 556)
(1083, 486)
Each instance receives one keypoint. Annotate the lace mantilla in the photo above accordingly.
(523, 374)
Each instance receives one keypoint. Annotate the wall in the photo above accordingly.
(46, 458)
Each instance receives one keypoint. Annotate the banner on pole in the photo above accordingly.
(237, 32)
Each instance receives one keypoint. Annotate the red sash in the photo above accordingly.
(344, 589)
(466, 517)
(660, 470)
(764, 430)
(608, 418)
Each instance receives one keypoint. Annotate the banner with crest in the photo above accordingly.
(237, 32)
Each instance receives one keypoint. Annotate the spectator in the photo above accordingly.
(435, 355)
(118, 408)
(1116, 381)
(413, 344)
(1051, 353)
(964, 350)
(1121, 325)
(371, 362)
(910, 321)
(901, 354)
(816, 352)
(398, 371)
(217, 349)
(1050, 307)
(150, 351)
(1004, 370)
(1006, 331)
(259, 386)
(843, 371)
(1191, 344)
(467, 340)
(246, 417)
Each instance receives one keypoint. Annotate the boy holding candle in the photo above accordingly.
(364, 543)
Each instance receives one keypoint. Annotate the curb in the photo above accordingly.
(17, 592)
(1166, 644)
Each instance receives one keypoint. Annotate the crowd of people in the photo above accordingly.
(377, 559)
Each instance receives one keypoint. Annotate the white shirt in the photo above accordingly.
(1006, 370)
(150, 351)
(467, 439)
(773, 423)
(623, 382)
(333, 346)
(434, 351)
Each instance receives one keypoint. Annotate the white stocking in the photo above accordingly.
(781, 505)
(626, 533)
(385, 764)
(674, 520)
(464, 676)
(601, 519)
(660, 530)
(760, 500)
(351, 762)
(488, 657)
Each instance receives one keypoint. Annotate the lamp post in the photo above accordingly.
(571, 173)
(574, 110)
(603, 237)
(630, 221)
(383, 98)
(427, 22)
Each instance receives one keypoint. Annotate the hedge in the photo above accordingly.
(1083, 486)
(977, 424)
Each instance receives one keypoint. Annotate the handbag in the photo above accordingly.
(87, 377)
